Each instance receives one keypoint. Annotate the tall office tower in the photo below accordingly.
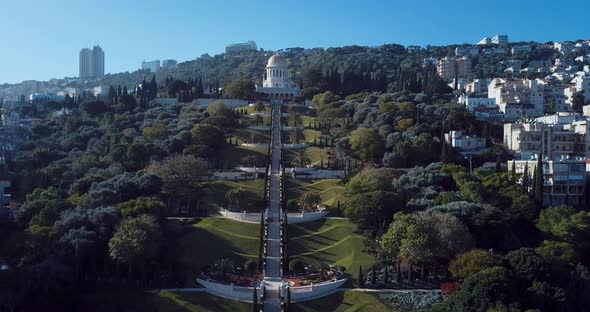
(98, 61)
(85, 63)
(92, 62)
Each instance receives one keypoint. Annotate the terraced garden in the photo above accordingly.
(330, 240)
(215, 194)
(214, 238)
(193, 302)
(315, 154)
(348, 301)
(127, 300)
(231, 156)
(330, 189)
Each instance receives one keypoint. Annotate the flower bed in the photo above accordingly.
(234, 279)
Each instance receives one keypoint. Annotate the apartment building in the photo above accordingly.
(451, 68)
(517, 97)
(500, 39)
(152, 66)
(91, 62)
(564, 180)
(237, 48)
(580, 83)
(528, 139)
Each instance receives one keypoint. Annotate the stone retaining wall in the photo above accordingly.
(314, 291)
(243, 294)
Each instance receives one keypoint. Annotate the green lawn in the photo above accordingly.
(310, 135)
(250, 109)
(214, 238)
(331, 240)
(215, 194)
(136, 300)
(231, 156)
(315, 154)
(348, 301)
(192, 302)
(308, 120)
(245, 135)
(330, 190)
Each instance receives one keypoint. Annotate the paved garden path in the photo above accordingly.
(272, 271)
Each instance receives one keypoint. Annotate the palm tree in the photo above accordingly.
(224, 266)
(310, 199)
(297, 135)
(258, 120)
(259, 106)
(323, 267)
(301, 159)
(234, 196)
(295, 119)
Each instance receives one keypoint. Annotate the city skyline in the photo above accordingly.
(195, 29)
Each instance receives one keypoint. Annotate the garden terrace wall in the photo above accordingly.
(229, 291)
(314, 291)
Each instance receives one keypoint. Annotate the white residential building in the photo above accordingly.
(554, 95)
(485, 41)
(153, 66)
(528, 139)
(500, 39)
(525, 48)
(465, 143)
(473, 104)
(564, 180)
(169, 63)
(517, 97)
(470, 50)
(237, 48)
(565, 46)
(478, 86)
(580, 83)
(451, 68)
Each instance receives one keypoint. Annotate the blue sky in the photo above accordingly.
(41, 38)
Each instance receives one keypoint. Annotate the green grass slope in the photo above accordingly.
(215, 194)
(193, 302)
(330, 190)
(331, 240)
(212, 239)
(349, 301)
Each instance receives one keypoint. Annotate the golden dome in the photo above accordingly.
(277, 60)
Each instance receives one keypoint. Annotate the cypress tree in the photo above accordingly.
(261, 242)
(386, 275)
(539, 180)
(534, 183)
(255, 301)
(373, 276)
(513, 169)
(525, 177)
(288, 299)
(361, 281)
